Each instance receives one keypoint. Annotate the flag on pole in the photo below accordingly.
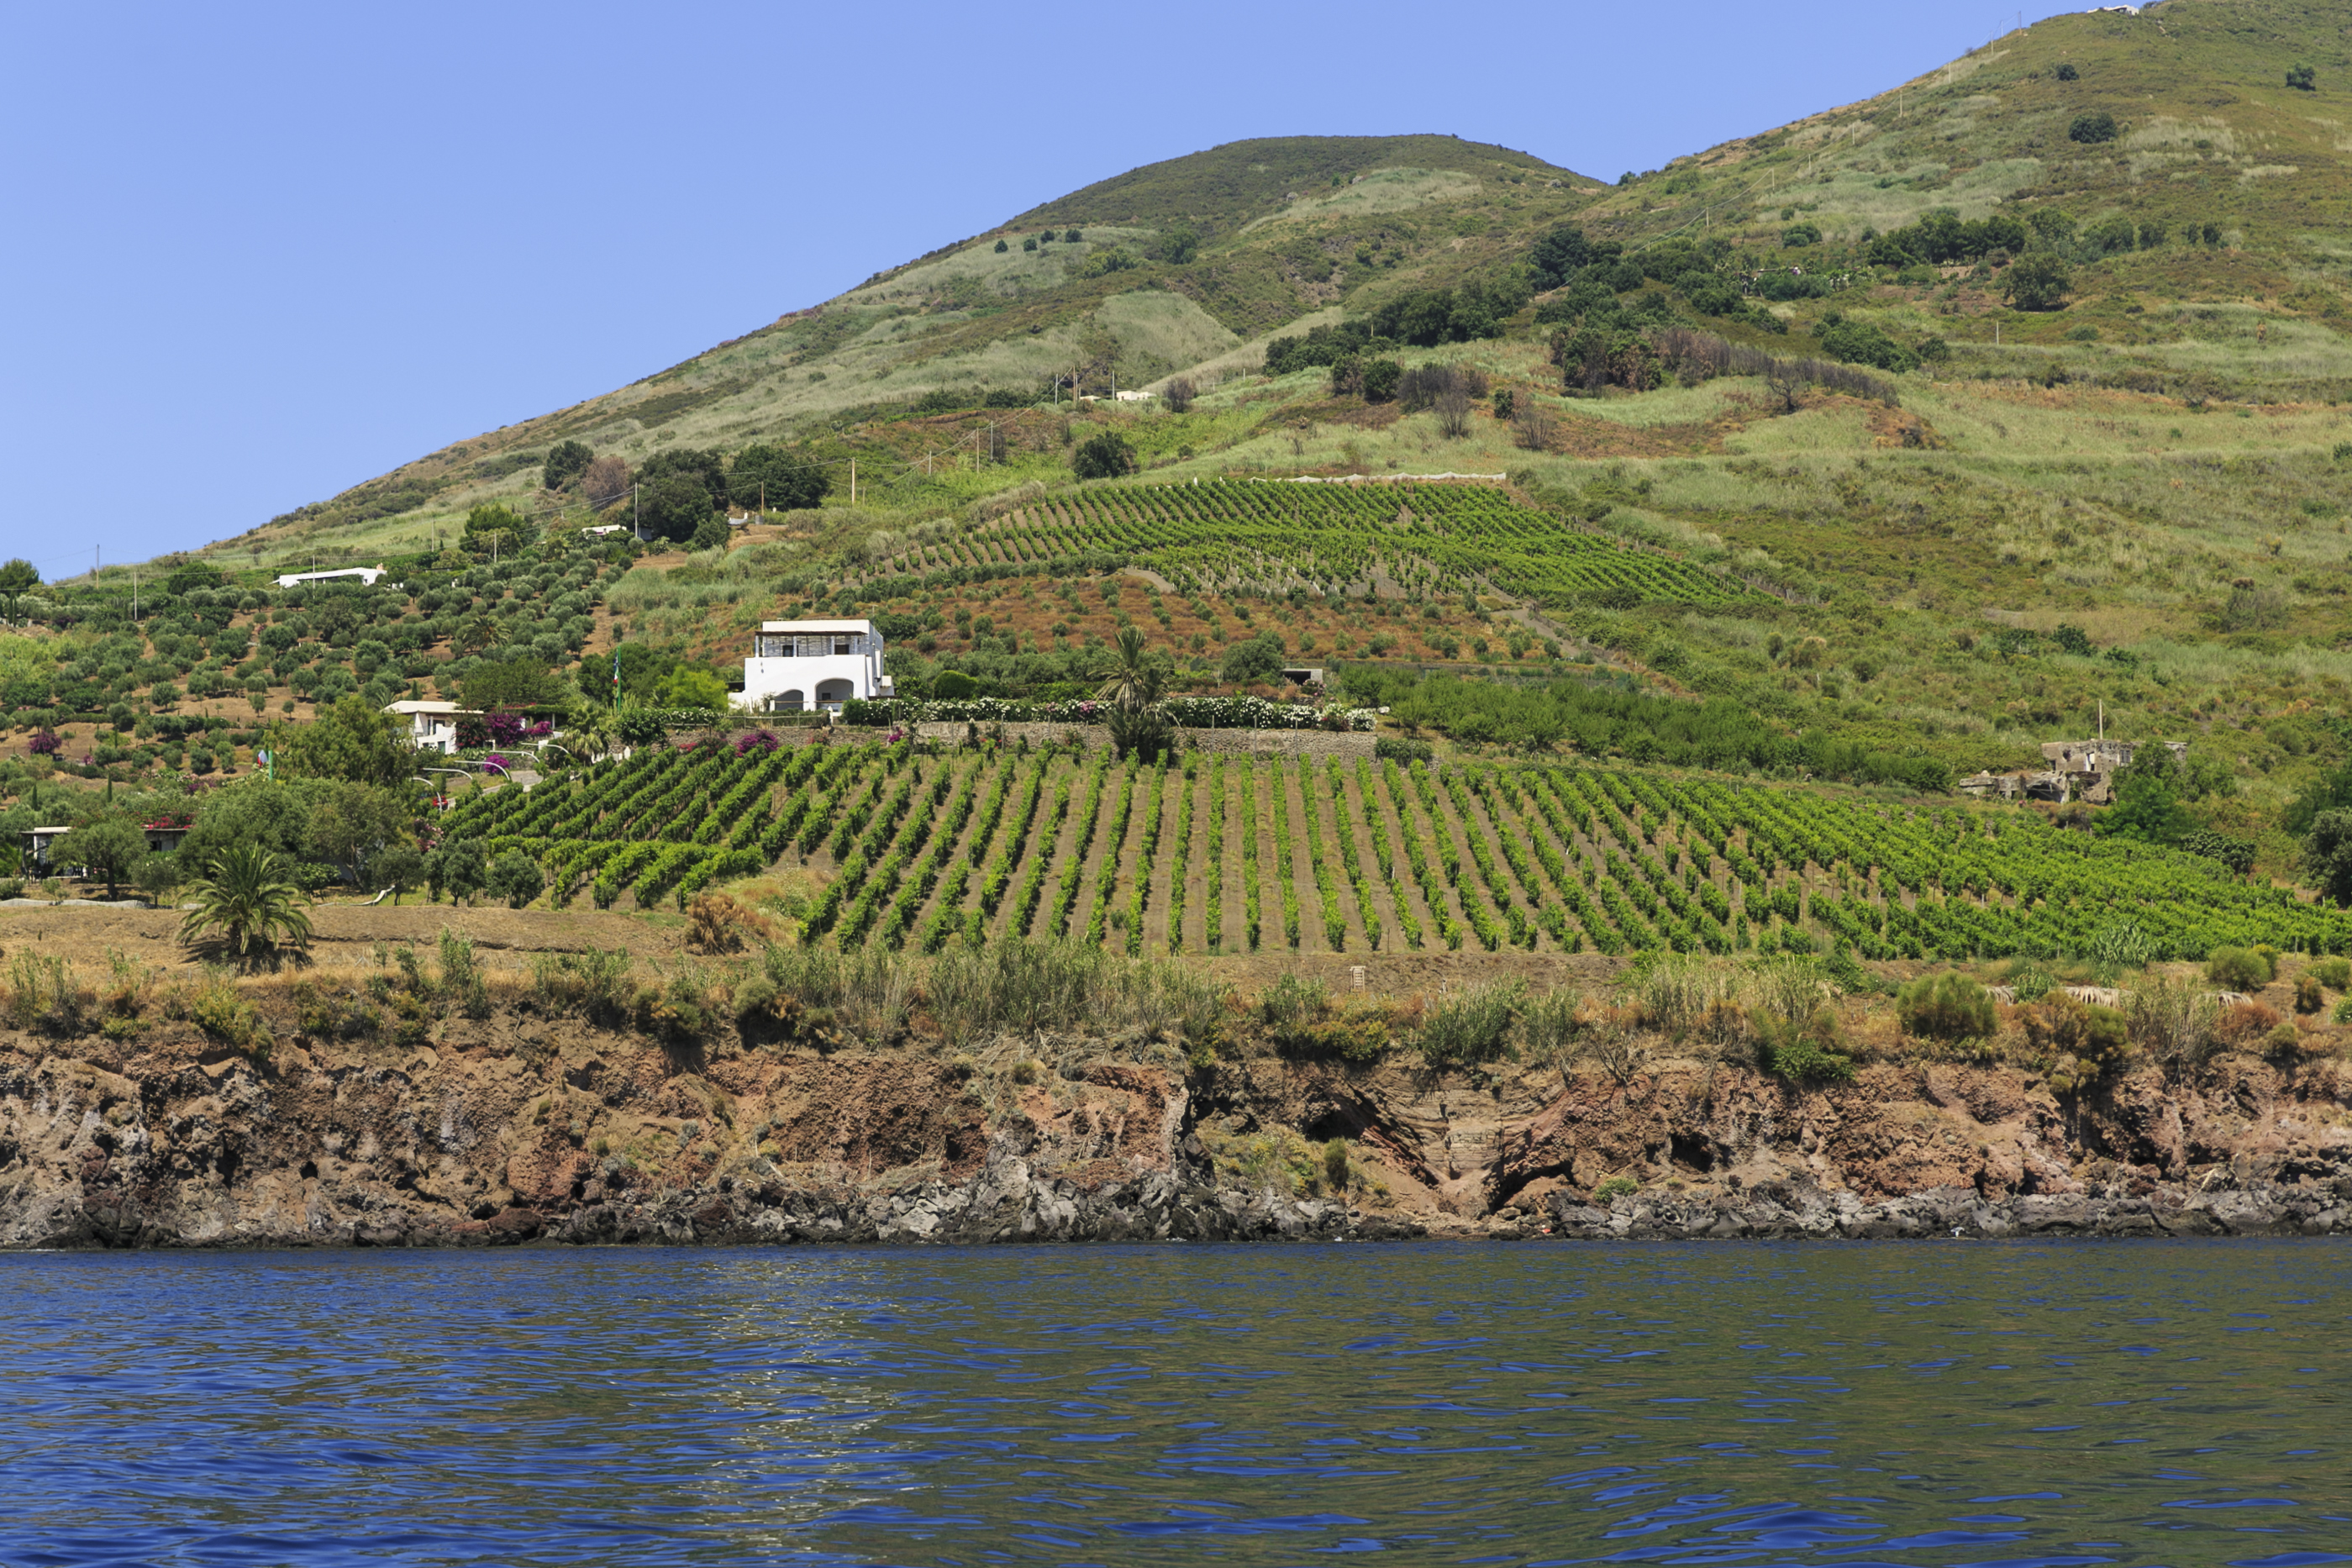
(617, 674)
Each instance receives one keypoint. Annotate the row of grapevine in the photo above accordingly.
(1535, 856)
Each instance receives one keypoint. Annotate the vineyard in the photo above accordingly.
(1425, 539)
(1238, 854)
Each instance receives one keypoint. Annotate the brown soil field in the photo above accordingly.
(340, 931)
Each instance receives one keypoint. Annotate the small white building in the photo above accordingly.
(366, 574)
(799, 667)
(432, 726)
(605, 530)
(38, 841)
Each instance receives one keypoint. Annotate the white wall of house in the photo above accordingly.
(800, 665)
(432, 726)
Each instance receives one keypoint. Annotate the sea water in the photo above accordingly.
(1951, 1403)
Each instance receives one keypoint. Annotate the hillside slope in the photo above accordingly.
(2012, 519)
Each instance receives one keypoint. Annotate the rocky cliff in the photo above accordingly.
(520, 1127)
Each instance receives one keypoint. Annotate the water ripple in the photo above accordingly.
(1928, 1406)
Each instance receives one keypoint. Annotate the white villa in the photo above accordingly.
(802, 666)
(432, 726)
(366, 574)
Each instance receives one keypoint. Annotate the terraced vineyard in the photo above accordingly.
(1231, 854)
(1439, 538)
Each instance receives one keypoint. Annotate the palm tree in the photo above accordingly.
(1133, 685)
(1133, 689)
(245, 894)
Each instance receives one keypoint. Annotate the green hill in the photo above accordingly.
(1909, 435)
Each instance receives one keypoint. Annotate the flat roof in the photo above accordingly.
(410, 706)
(816, 627)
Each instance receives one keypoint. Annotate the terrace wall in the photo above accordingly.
(1235, 742)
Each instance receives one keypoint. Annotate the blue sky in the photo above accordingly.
(259, 253)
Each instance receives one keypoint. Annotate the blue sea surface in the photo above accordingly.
(1995, 1405)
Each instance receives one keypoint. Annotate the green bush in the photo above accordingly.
(2335, 974)
(1615, 1188)
(1945, 1006)
(2093, 128)
(516, 877)
(2309, 997)
(1105, 456)
(1801, 1057)
(1473, 1025)
(1402, 751)
(2236, 969)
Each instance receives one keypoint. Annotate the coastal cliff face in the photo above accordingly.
(520, 1128)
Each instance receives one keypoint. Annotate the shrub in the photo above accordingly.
(1106, 456)
(1402, 751)
(2068, 73)
(2308, 995)
(2093, 128)
(594, 984)
(516, 877)
(1615, 1188)
(2086, 1041)
(2029, 981)
(1945, 1006)
(2172, 1022)
(1472, 1026)
(2245, 1021)
(715, 923)
(460, 980)
(1801, 1054)
(2120, 945)
(2335, 974)
(228, 1018)
(2236, 969)
(1294, 999)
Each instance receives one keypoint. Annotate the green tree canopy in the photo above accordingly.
(18, 576)
(109, 845)
(2327, 854)
(566, 461)
(689, 686)
(704, 464)
(351, 824)
(1557, 253)
(192, 575)
(2146, 809)
(513, 683)
(456, 869)
(516, 877)
(1104, 457)
(354, 740)
(514, 530)
(778, 479)
(2036, 282)
(674, 505)
(398, 867)
(1254, 659)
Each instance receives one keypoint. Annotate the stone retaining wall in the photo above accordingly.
(1236, 743)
